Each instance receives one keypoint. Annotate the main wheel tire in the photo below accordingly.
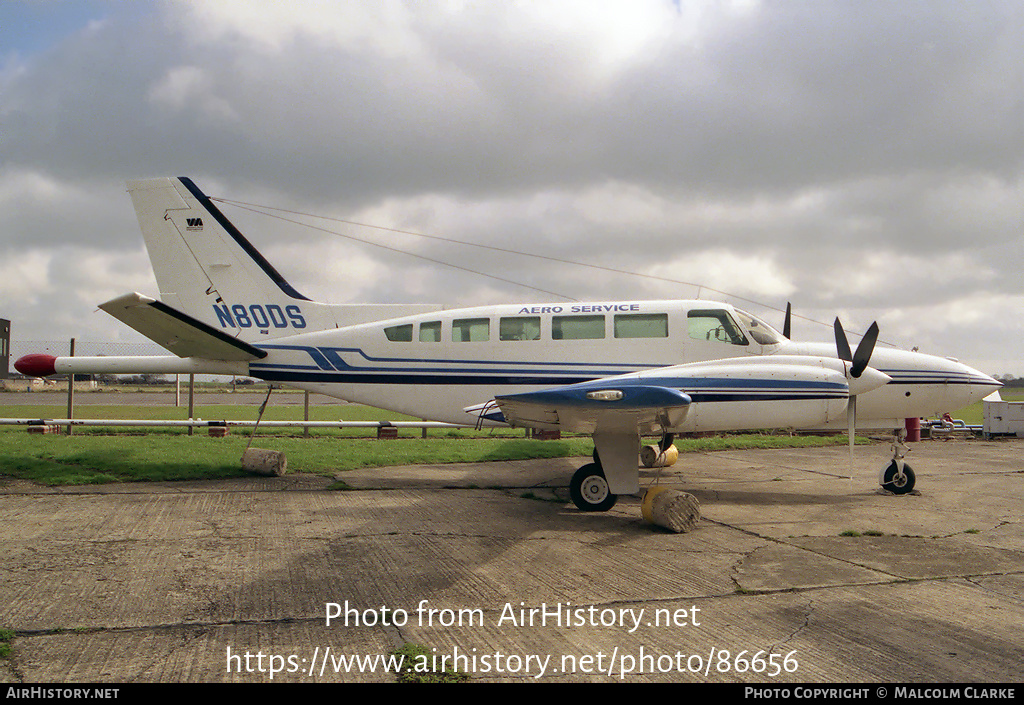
(892, 482)
(589, 489)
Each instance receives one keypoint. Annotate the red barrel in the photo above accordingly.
(913, 430)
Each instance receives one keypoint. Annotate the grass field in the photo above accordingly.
(96, 455)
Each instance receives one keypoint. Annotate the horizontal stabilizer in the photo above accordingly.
(178, 332)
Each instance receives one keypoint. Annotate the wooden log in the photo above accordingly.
(671, 509)
(652, 457)
(264, 462)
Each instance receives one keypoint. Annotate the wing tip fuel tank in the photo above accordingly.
(42, 365)
(36, 365)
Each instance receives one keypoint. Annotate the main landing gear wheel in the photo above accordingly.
(589, 489)
(896, 483)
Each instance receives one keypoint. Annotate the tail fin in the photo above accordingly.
(206, 268)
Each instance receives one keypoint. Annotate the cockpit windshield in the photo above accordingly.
(759, 330)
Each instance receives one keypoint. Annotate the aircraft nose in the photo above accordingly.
(973, 385)
(979, 381)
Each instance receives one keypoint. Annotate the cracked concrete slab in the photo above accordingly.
(230, 580)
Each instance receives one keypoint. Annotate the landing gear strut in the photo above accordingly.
(596, 486)
(589, 489)
(898, 477)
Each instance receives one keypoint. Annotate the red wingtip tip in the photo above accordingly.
(36, 365)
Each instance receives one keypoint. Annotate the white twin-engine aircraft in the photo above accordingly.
(610, 369)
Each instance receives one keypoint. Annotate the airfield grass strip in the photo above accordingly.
(101, 454)
(86, 459)
(58, 459)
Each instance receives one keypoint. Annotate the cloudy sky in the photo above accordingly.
(864, 159)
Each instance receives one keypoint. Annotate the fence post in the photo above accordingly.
(305, 404)
(71, 391)
(191, 399)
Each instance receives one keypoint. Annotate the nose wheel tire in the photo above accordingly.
(896, 483)
(589, 489)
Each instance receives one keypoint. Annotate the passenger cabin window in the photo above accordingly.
(471, 330)
(641, 325)
(430, 332)
(715, 325)
(519, 328)
(577, 327)
(399, 334)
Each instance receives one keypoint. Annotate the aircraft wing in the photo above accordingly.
(774, 391)
(178, 332)
(591, 407)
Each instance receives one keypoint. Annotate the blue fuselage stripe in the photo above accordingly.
(328, 367)
(699, 390)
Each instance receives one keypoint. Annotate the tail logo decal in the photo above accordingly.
(193, 223)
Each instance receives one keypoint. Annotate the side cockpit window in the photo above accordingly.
(715, 325)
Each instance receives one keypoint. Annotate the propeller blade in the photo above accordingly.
(858, 363)
(787, 325)
(842, 344)
(864, 350)
(851, 418)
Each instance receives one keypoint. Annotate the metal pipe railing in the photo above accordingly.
(201, 423)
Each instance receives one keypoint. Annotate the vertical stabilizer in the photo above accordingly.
(206, 268)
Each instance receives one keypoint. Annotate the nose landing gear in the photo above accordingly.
(898, 477)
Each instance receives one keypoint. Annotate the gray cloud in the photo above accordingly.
(867, 158)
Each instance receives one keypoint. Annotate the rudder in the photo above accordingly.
(206, 268)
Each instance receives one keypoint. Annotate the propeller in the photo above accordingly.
(858, 363)
(787, 325)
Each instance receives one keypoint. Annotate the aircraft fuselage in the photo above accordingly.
(437, 364)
